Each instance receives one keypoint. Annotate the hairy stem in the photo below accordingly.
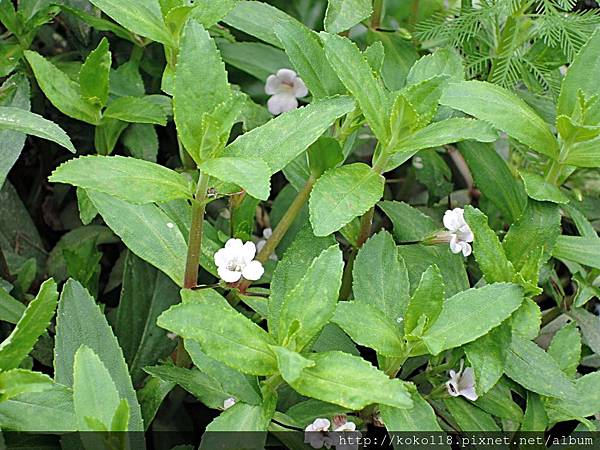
(195, 241)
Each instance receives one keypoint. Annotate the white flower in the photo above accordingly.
(284, 88)
(228, 403)
(236, 260)
(345, 436)
(417, 162)
(267, 233)
(316, 434)
(462, 383)
(460, 233)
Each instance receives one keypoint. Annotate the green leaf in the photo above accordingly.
(94, 392)
(30, 327)
(470, 417)
(565, 348)
(370, 327)
(18, 119)
(494, 178)
(526, 320)
(421, 417)
(355, 72)
(11, 309)
(471, 314)
(487, 248)
(584, 403)
(283, 138)
(443, 61)
(505, 111)
(16, 95)
(584, 154)
(80, 322)
(426, 302)
(50, 410)
(498, 402)
(259, 60)
(151, 396)
(400, 55)
(291, 269)
(539, 189)
(309, 305)
(440, 133)
(208, 12)
(535, 418)
(198, 59)
(20, 381)
(534, 369)
(94, 73)
(344, 14)
(487, 356)
(257, 19)
(223, 333)
(590, 327)
(340, 378)
(323, 155)
(147, 231)
(142, 17)
(252, 175)
(306, 53)
(99, 23)
(380, 277)
(342, 194)
(578, 77)
(62, 92)
(131, 179)
(579, 249)
(136, 110)
(305, 412)
(145, 294)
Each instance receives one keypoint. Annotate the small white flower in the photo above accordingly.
(417, 162)
(316, 434)
(267, 233)
(228, 403)
(462, 383)
(346, 430)
(460, 233)
(236, 260)
(284, 88)
(172, 336)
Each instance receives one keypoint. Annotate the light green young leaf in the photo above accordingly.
(146, 293)
(198, 60)
(306, 53)
(427, 301)
(80, 322)
(400, 55)
(578, 77)
(136, 110)
(252, 175)
(539, 189)
(536, 370)
(375, 54)
(565, 348)
(471, 314)
(309, 305)
(369, 326)
(443, 61)
(223, 333)
(355, 72)
(526, 320)
(141, 17)
(30, 327)
(470, 417)
(209, 12)
(494, 179)
(292, 268)
(15, 382)
(281, 139)
(131, 179)
(18, 119)
(441, 133)
(487, 248)
(421, 417)
(94, 392)
(340, 378)
(584, 154)
(505, 111)
(94, 74)
(147, 231)
(424, 97)
(259, 60)
(487, 356)
(344, 14)
(342, 194)
(257, 19)
(62, 92)
(579, 249)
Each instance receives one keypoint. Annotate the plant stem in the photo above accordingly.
(553, 173)
(366, 222)
(195, 241)
(378, 8)
(347, 276)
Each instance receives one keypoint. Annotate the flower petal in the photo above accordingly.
(267, 233)
(299, 88)
(229, 276)
(248, 252)
(222, 257)
(466, 249)
(234, 246)
(272, 85)
(469, 393)
(452, 390)
(287, 76)
(455, 244)
(253, 271)
(280, 103)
